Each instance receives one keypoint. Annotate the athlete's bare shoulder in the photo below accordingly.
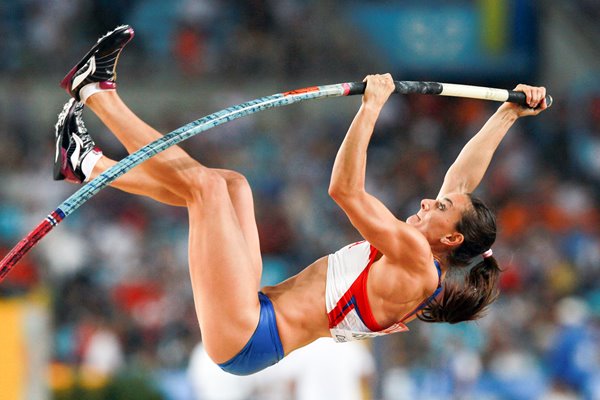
(411, 250)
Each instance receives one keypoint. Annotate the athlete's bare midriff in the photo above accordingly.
(299, 301)
(299, 304)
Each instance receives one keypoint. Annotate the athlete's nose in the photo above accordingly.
(424, 205)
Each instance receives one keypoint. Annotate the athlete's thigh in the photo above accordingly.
(243, 204)
(224, 279)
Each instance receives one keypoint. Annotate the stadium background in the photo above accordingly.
(102, 308)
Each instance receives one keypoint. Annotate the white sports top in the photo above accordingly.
(348, 309)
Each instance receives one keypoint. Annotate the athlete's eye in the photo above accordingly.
(441, 206)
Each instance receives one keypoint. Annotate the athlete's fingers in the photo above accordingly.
(528, 90)
(533, 95)
(540, 95)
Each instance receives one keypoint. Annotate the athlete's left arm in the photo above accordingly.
(467, 171)
(369, 215)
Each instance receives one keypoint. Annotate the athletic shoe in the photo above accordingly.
(76, 153)
(99, 64)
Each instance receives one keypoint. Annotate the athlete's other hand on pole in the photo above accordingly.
(536, 101)
(378, 90)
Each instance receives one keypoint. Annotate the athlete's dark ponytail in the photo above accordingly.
(467, 298)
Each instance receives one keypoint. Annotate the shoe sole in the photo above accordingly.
(60, 154)
(65, 83)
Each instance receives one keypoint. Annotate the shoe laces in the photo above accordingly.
(62, 116)
(82, 131)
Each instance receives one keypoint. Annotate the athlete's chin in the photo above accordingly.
(412, 220)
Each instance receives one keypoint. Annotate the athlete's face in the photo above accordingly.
(437, 218)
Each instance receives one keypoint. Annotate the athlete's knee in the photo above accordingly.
(235, 180)
(206, 182)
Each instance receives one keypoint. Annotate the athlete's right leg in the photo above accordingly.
(173, 166)
(223, 277)
(93, 81)
(224, 255)
(94, 77)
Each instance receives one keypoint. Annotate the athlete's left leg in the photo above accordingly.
(78, 159)
(225, 267)
(137, 181)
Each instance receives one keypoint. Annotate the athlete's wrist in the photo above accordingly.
(372, 107)
(508, 112)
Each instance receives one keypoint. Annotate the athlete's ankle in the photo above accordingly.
(100, 166)
(96, 87)
(89, 162)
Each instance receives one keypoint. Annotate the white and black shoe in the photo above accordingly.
(99, 65)
(76, 153)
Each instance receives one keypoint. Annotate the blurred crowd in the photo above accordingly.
(114, 274)
(279, 39)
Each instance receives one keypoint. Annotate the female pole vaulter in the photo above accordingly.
(369, 288)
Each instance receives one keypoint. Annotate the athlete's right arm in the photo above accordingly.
(374, 221)
(465, 174)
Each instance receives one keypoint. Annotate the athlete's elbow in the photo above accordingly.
(340, 193)
(333, 191)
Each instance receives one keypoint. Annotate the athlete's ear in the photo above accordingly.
(453, 239)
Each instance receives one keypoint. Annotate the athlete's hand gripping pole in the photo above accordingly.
(226, 115)
(453, 90)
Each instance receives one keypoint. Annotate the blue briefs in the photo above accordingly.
(264, 347)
